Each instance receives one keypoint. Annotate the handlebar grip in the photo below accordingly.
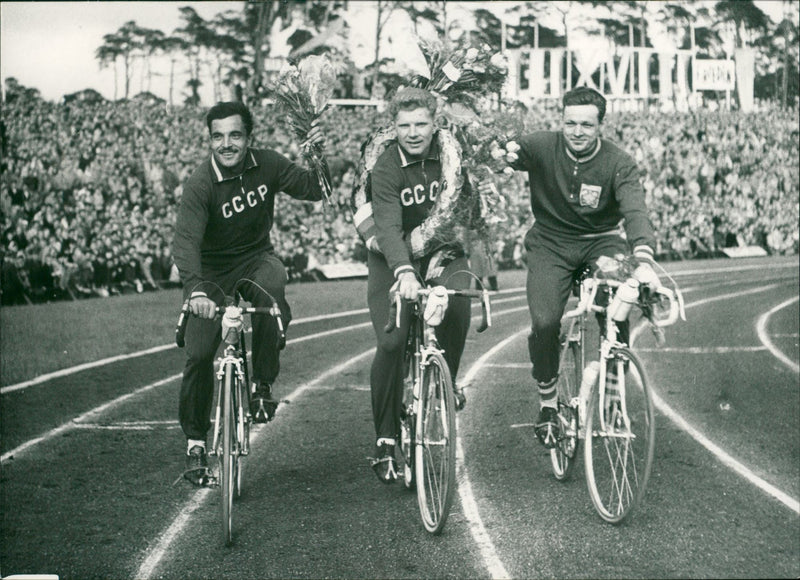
(180, 329)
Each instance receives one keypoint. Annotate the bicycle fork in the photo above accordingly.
(239, 411)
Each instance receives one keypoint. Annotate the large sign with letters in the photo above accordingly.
(618, 72)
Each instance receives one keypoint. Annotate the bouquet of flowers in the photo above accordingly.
(302, 93)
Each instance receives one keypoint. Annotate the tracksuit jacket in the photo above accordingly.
(588, 196)
(225, 216)
(418, 183)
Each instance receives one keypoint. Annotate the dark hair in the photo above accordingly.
(411, 98)
(586, 96)
(226, 109)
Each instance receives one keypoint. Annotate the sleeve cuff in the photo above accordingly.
(199, 293)
(644, 253)
(400, 269)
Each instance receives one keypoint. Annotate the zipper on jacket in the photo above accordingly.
(241, 184)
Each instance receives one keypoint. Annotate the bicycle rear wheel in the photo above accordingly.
(228, 456)
(407, 425)
(563, 455)
(435, 452)
(242, 433)
(619, 456)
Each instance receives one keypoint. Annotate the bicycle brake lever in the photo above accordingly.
(180, 329)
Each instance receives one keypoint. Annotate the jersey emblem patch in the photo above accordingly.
(590, 195)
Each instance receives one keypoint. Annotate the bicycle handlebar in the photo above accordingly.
(586, 303)
(486, 310)
(183, 319)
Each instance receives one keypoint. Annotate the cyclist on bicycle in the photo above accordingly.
(222, 234)
(405, 183)
(587, 201)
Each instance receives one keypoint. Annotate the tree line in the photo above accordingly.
(229, 50)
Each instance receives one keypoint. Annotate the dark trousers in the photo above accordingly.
(386, 376)
(203, 338)
(553, 260)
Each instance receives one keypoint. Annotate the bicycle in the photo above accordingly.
(428, 413)
(231, 440)
(607, 404)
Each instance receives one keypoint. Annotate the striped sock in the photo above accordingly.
(547, 393)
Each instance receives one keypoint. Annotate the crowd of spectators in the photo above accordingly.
(88, 191)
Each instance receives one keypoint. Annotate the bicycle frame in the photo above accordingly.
(233, 357)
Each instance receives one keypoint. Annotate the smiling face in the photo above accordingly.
(414, 130)
(229, 141)
(581, 127)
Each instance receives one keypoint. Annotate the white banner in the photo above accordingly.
(713, 75)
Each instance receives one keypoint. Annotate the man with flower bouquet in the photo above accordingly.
(222, 234)
(588, 202)
(413, 199)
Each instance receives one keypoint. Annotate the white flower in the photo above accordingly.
(497, 154)
(472, 53)
(512, 147)
(498, 60)
(508, 171)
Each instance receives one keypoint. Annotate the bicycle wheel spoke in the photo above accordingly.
(563, 455)
(435, 451)
(619, 455)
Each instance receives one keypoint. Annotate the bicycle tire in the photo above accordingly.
(242, 434)
(407, 426)
(619, 459)
(227, 457)
(564, 455)
(435, 451)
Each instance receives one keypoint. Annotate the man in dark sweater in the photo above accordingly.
(406, 183)
(222, 235)
(587, 201)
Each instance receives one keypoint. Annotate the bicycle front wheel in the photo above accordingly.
(435, 452)
(228, 456)
(563, 455)
(620, 439)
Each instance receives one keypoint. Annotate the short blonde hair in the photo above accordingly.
(410, 98)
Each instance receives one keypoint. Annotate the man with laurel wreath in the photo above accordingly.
(588, 202)
(409, 189)
(222, 235)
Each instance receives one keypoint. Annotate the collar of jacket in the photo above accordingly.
(222, 173)
(433, 153)
(585, 158)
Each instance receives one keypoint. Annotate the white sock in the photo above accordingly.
(388, 440)
(192, 442)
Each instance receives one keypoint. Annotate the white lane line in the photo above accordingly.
(509, 365)
(91, 414)
(479, 534)
(761, 330)
(120, 427)
(102, 362)
(741, 268)
(159, 550)
(106, 361)
(717, 451)
(704, 349)
(88, 415)
(724, 457)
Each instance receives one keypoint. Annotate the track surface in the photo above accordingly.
(89, 460)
